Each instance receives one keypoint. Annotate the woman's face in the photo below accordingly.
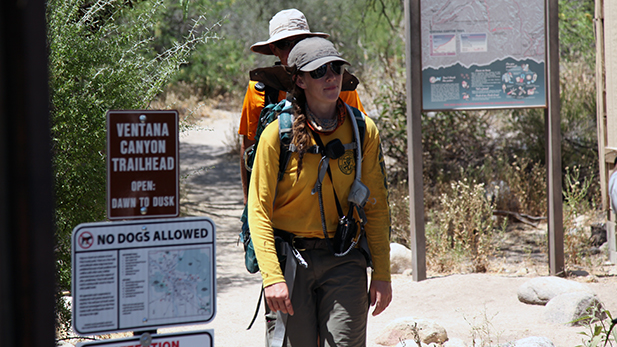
(323, 90)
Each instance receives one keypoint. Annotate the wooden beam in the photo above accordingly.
(601, 101)
(553, 143)
(413, 61)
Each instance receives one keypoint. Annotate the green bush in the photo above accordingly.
(100, 58)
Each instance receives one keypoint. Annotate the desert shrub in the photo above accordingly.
(515, 184)
(399, 210)
(464, 224)
(576, 205)
(100, 58)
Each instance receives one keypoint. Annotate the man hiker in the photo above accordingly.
(286, 28)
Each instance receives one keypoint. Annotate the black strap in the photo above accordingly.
(261, 294)
(271, 95)
(322, 148)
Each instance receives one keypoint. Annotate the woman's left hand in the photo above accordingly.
(381, 295)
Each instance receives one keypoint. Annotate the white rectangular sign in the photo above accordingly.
(198, 338)
(137, 275)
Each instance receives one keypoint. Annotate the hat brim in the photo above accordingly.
(319, 62)
(263, 47)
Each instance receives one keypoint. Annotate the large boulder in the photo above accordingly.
(400, 258)
(569, 308)
(540, 290)
(402, 329)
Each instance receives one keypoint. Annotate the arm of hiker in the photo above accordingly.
(244, 144)
(377, 210)
(381, 295)
(277, 297)
(251, 108)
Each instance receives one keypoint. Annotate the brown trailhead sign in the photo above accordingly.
(142, 164)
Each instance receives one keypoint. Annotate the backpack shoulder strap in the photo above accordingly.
(286, 120)
(271, 95)
(360, 121)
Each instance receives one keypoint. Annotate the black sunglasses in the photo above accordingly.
(286, 44)
(336, 66)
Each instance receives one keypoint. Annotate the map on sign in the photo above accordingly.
(179, 283)
(479, 54)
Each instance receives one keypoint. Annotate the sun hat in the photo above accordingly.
(286, 23)
(311, 53)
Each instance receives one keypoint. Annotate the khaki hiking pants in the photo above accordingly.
(330, 302)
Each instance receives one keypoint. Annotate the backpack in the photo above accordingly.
(283, 111)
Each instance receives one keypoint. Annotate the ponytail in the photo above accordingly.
(301, 137)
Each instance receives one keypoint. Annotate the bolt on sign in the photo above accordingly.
(142, 164)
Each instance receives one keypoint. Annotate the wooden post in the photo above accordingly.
(601, 100)
(413, 60)
(553, 143)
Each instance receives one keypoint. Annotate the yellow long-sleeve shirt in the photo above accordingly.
(296, 210)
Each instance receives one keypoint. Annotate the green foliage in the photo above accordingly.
(576, 31)
(218, 69)
(601, 331)
(100, 58)
(361, 30)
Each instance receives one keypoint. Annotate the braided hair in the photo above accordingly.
(301, 137)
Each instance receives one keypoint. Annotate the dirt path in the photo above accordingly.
(213, 189)
(484, 304)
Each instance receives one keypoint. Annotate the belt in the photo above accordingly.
(305, 244)
(301, 243)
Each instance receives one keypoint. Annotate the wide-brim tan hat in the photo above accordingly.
(286, 23)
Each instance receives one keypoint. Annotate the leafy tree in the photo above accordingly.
(101, 58)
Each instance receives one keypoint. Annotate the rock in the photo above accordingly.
(539, 290)
(569, 307)
(400, 258)
(532, 341)
(598, 234)
(401, 329)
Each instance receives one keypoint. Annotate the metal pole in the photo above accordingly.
(413, 61)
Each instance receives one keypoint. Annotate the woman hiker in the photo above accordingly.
(319, 288)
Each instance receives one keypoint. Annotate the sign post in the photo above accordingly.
(142, 164)
(142, 275)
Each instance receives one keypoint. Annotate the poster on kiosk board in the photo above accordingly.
(483, 54)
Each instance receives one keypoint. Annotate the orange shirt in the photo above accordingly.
(254, 102)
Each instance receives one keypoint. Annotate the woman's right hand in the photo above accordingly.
(277, 297)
